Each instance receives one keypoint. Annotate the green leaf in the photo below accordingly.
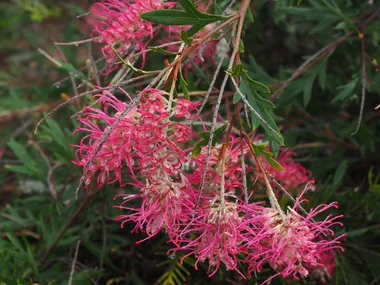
(194, 12)
(192, 16)
(322, 73)
(260, 151)
(161, 50)
(170, 17)
(357, 232)
(376, 38)
(183, 85)
(236, 98)
(339, 173)
(185, 38)
(346, 92)
(256, 85)
(206, 136)
(308, 87)
(260, 106)
(238, 70)
(127, 63)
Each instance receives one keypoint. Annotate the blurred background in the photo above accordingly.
(41, 222)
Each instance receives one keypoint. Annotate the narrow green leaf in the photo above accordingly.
(258, 86)
(340, 173)
(260, 151)
(161, 50)
(170, 17)
(194, 12)
(183, 85)
(185, 37)
(127, 63)
(308, 87)
(206, 136)
(346, 92)
(270, 127)
(236, 98)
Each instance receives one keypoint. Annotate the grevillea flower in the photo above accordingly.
(148, 143)
(213, 231)
(233, 171)
(325, 271)
(121, 27)
(213, 234)
(291, 243)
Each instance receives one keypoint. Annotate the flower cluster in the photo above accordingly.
(215, 225)
(202, 201)
(121, 27)
(291, 243)
(146, 142)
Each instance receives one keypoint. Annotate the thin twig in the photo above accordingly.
(49, 57)
(243, 168)
(241, 14)
(78, 211)
(215, 76)
(94, 67)
(108, 88)
(84, 14)
(272, 196)
(212, 131)
(285, 192)
(58, 83)
(73, 264)
(76, 43)
(364, 84)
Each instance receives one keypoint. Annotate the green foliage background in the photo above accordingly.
(40, 220)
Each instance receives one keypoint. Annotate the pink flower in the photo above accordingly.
(122, 27)
(213, 231)
(291, 243)
(213, 234)
(145, 140)
(232, 169)
(148, 144)
(162, 204)
(325, 271)
(187, 109)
